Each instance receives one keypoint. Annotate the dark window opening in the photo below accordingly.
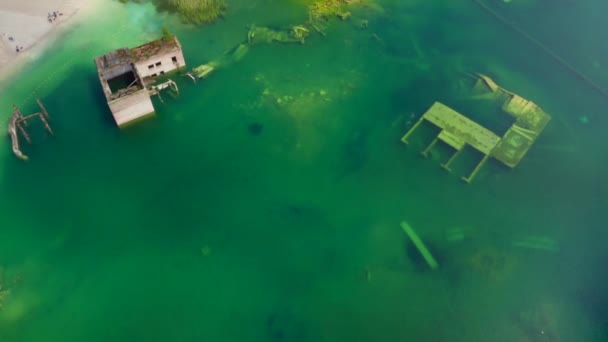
(154, 75)
(174, 59)
(158, 64)
(150, 66)
(162, 72)
(121, 81)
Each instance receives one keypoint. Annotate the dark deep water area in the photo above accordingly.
(264, 203)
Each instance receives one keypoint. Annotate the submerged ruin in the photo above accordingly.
(458, 131)
(18, 124)
(127, 76)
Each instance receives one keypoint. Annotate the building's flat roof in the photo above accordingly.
(461, 128)
(117, 57)
(154, 48)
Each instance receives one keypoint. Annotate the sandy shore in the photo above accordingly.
(25, 25)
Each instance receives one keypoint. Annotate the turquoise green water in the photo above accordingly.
(189, 227)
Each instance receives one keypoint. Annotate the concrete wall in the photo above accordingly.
(106, 74)
(158, 65)
(117, 70)
(131, 107)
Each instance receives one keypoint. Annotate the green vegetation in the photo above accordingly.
(326, 9)
(198, 12)
(167, 36)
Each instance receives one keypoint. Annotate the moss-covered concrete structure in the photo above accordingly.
(459, 131)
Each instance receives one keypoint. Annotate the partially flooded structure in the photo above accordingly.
(256, 35)
(127, 76)
(459, 131)
(18, 124)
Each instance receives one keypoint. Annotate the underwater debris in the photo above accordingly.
(422, 248)
(321, 11)
(491, 263)
(540, 243)
(377, 39)
(255, 128)
(229, 57)
(203, 70)
(300, 32)
(294, 34)
(267, 35)
(18, 123)
(326, 9)
(459, 131)
(416, 259)
(455, 235)
(306, 107)
(344, 15)
(200, 71)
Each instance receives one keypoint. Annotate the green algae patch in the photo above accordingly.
(197, 12)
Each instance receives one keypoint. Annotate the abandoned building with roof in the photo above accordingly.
(127, 75)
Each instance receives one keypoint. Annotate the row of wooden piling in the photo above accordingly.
(18, 125)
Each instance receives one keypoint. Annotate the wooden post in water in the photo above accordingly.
(44, 117)
(23, 131)
(44, 112)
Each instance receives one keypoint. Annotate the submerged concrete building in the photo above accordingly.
(458, 131)
(127, 75)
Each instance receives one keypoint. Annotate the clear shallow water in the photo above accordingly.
(188, 227)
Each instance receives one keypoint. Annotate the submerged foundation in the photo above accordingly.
(458, 131)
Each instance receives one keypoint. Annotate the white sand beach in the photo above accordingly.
(26, 24)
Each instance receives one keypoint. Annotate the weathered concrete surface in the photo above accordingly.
(132, 107)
